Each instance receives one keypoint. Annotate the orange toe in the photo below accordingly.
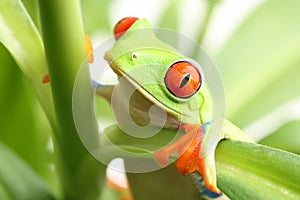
(88, 49)
(187, 146)
(46, 79)
(189, 161)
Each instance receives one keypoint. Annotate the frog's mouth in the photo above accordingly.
(142, 90)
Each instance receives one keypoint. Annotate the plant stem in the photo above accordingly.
(64, 46)
(253, 171)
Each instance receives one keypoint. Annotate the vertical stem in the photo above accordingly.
(64, 46)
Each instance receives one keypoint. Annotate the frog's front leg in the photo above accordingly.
(192, 146)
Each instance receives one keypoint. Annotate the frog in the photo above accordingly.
(160, 75)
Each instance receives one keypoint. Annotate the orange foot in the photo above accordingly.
(189, 148)
(46, 79)
(88, 48)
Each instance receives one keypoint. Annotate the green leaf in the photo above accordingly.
(24, 127)
(17, 180)
(244, 170)
(286, 137)
(3, 193)
(32, 8)
(20, 36)
(260, 63)
(22, 39)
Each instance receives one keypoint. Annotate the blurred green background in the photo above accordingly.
(255, 44)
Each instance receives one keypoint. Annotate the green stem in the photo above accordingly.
(252, 171)
(64, 46)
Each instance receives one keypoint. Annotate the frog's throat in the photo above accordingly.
(144, 92)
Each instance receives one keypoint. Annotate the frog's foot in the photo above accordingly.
(88, 49)
(88, 52)
(46, 79)
(189, 147)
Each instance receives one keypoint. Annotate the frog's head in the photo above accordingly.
(156, 69)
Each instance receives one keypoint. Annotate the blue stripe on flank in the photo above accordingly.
(205, 126)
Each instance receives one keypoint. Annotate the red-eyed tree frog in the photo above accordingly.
(177, 87)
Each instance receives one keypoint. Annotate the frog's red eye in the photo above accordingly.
(183, 79)
(123, 25)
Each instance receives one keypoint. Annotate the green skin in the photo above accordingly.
(142, 48)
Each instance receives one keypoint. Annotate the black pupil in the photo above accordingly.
(184, 81)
